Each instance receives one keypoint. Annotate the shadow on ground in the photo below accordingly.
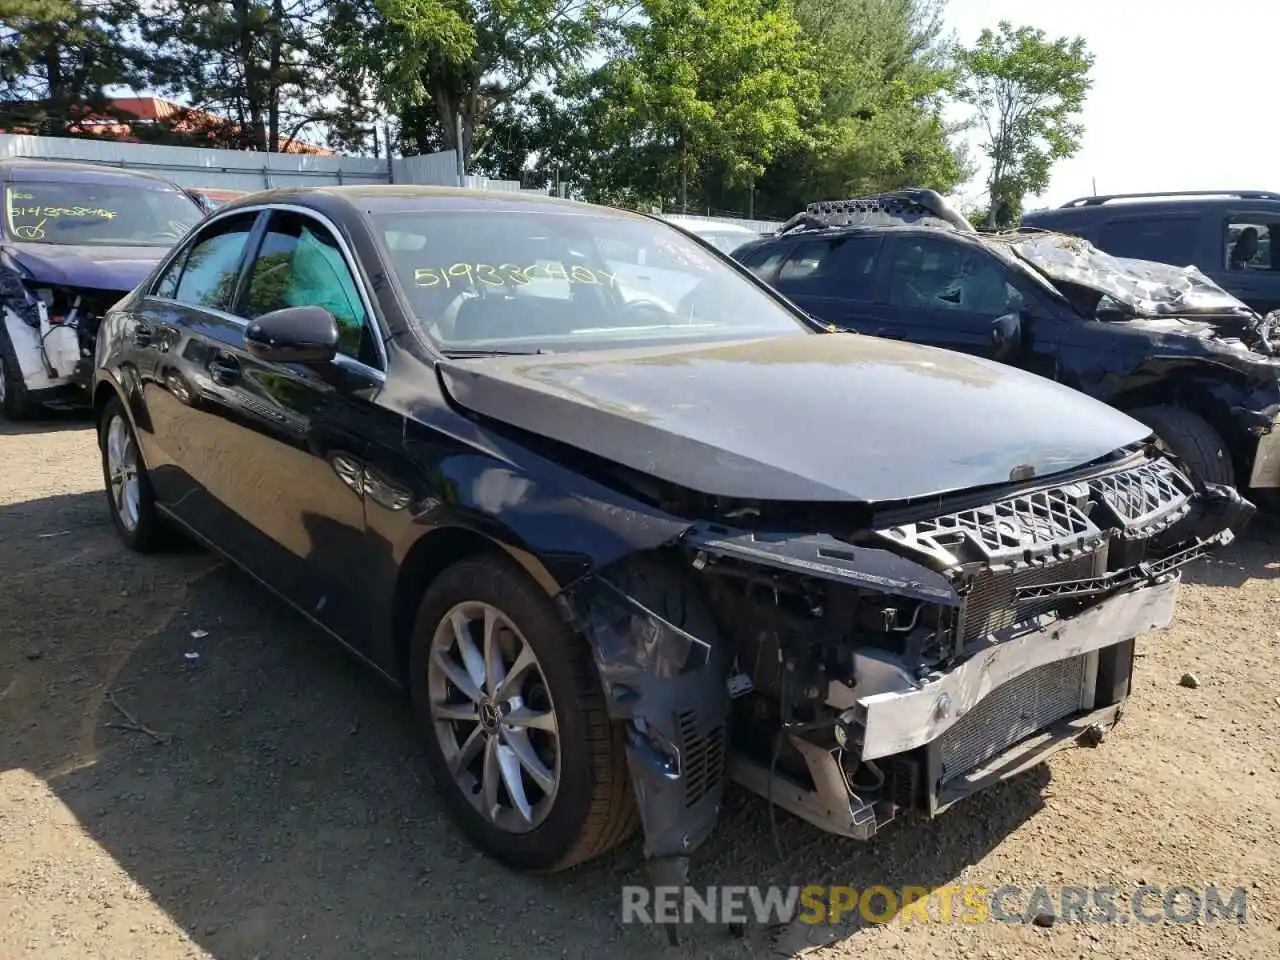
(46, 421)
(281, 807)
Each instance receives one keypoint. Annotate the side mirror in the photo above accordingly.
(1006, 336)
(293, 335)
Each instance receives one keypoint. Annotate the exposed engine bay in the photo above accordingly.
(53, 331)
(861, 677)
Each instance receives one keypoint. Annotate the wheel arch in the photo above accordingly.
(429, 556)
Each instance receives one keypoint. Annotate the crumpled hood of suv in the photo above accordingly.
(834, 417)
(1143, 287)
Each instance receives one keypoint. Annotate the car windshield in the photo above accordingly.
(526, 280)
(102, 214)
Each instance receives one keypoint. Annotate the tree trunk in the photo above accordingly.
(273, 78)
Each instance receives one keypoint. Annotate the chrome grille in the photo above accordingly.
(1013, 712)
(1141, 495)
(992, 603)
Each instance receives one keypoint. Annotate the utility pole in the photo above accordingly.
(457, 139)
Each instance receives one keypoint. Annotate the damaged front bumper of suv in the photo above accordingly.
(859, 678)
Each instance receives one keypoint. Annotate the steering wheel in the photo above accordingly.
(643, 313)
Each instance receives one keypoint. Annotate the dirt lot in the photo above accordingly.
(285, 813)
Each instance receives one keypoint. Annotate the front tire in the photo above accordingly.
(128, 486)
(1192, 440)
(518, 739)
(15, 400)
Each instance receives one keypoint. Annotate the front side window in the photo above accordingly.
(207, 272)
(1248, 245)
(299, 264)
(97, 214)
(931, 274)
(530, 279)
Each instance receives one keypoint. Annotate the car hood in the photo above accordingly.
(1140, 287)
(117, 269)
(827, 417)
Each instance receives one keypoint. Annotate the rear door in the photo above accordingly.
(175, 333)
(833, 279)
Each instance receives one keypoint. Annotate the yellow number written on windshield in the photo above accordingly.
(508, 274)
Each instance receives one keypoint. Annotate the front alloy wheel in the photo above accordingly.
(493, 717)
(519, 741)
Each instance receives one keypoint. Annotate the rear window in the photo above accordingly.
(1171, 240)
(530, 280)
(64, 212)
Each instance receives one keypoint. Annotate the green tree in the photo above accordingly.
(690, 85)
(56, 59)
(1028, 92)
(259, 63)
(438, 65)
(885, 72)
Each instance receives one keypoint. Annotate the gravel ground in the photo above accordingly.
(275, 804)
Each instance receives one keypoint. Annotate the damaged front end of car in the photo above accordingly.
(53, 330)
(860, 675)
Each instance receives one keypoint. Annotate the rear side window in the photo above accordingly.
(1248, 244)
(762, 261)
(1169, 240)
(843, 267)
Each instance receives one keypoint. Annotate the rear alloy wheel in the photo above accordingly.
(129, 497)
(518, 739)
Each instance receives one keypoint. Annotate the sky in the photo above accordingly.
(1182, 96)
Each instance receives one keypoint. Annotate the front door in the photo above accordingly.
(293, 465)
(945, 292)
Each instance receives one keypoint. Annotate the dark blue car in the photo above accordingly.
(74, 238)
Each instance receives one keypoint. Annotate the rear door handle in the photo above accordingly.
(224, 370)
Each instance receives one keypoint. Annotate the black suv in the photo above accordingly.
(1162, 343)
(1226, 233)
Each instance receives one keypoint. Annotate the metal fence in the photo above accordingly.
(247, 169)
(251, 170)
(197, 167)
(759, 226)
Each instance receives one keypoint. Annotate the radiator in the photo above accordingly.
(1013, 712)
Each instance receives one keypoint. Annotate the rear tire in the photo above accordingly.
(585, 807)
(1191, 439)
(15, 400)
(130, 500)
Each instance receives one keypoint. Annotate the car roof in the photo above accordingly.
(399, 198)
(906, 229)
(1109, 205)
(16, 169)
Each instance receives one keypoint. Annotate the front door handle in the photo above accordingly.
(143, 335)
(224, 370)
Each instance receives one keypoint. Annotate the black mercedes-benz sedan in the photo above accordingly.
(625, 523)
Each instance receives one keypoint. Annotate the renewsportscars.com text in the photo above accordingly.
(1103, 904)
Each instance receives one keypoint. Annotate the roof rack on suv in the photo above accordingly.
(894, 208)
(1238, 194)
